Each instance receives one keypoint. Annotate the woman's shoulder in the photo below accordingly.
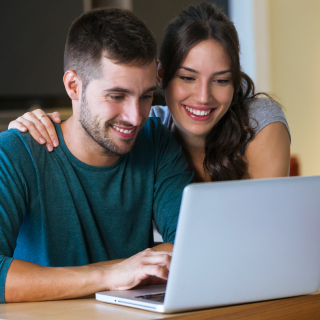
(266, 106)
(263, 111)
(161, 112)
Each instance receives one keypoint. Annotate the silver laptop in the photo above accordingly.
(238, 242)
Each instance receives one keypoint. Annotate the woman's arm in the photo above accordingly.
(39, 124)
(268, 154)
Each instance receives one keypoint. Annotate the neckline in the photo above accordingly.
(78, 162)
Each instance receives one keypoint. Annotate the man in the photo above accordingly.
(65, 216)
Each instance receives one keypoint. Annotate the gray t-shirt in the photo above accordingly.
(262, 112)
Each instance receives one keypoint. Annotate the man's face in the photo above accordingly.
(115, 107)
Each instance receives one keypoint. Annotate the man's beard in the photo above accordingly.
(100, 135)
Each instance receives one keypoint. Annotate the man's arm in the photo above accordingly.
(27, 281)
(166, 246)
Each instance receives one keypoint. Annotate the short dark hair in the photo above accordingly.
(118, 33)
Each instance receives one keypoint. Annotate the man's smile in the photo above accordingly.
(126, 132)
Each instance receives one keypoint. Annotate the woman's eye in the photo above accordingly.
(186, 78)
(222, 81)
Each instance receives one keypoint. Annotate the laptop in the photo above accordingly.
(238, 242)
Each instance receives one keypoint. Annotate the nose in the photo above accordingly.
(203, 92)
(132, 113)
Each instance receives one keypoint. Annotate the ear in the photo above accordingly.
(159, 74)
(72, 83)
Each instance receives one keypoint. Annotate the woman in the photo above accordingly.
(226, 132)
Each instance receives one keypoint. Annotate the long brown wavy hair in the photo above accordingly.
(225, 143)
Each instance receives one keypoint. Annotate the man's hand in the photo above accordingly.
(27, 281)
(148, 267)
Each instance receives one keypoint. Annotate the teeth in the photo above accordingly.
(198, 112)
(123, 131)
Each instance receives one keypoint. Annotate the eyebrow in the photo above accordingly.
(123, 90)
(215, 74)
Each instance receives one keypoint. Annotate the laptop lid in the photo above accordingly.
(244, 241)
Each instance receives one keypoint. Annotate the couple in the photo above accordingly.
(70, 219)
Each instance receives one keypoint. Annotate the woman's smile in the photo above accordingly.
(198, 113)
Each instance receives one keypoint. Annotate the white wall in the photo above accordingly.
(295, 74)
(280, 45)
(251, 19)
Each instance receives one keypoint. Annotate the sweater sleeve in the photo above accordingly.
(14, 161)
(172, 175)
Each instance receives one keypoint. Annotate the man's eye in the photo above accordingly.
(147, 96)
(117, 97)
(187, 79)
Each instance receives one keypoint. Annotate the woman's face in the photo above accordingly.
(201, 91)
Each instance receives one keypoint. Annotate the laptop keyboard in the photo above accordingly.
(155, 297)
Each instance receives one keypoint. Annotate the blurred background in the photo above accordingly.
(32, 40)
(280, 50)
